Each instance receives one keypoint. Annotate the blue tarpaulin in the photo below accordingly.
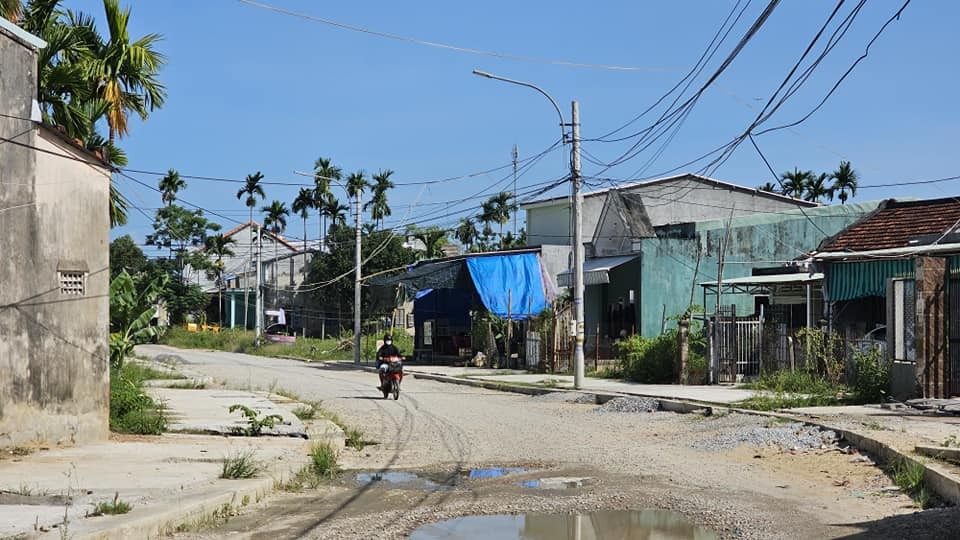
(516, 276)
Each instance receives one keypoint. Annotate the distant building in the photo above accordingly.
(54, 270)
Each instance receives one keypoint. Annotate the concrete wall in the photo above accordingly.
(54, 348)
(679, 200)
(669, 264)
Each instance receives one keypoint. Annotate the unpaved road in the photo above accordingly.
(634, 460)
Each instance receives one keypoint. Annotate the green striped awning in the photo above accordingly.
(850, 280)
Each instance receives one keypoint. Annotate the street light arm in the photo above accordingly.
(563, 133)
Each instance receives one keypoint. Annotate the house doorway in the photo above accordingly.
(953, 350)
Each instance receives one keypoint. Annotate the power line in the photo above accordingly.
(480, 52)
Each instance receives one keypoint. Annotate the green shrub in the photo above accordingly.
(131, 409)
(255, 422)
(649, 360)
(871, 380)
(114, 507)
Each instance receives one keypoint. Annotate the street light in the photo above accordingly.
(357, 263)
(577, 240)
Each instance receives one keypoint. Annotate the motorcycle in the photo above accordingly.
(392, 372)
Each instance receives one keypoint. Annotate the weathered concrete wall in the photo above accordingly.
(670, 270)
(54, 348)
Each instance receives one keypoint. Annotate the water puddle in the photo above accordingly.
(493, 472)
(558, 482)
(625, 525)
(398, 479)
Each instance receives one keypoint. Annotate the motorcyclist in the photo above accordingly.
(386, 351)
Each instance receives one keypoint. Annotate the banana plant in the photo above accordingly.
(131, 312)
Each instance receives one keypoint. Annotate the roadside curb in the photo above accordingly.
(946, 485)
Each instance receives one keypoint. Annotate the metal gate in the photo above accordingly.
(953, 351)
(738, 346)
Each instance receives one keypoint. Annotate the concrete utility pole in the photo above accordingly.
(577, 245)
(516, 155)
(356, 284)
(258, 318)
(577, 240)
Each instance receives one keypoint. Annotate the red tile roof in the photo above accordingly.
(896, 223)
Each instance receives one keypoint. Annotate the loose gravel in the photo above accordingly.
(787, 437)
(629, 405)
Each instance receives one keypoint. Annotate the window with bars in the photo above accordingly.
(72, 283)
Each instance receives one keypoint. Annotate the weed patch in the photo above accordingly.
(255, 422)
(131, 409)
(110, 508)
(323, 460)
(305, 412)
(355, 438)
(241, 465)
(188, 385)
(909, 477)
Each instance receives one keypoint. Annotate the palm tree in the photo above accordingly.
(302, 205)
(499, 207)
(219, 247)
(794, 183)
(466, 232)
(323, 173)
(433, 239)
(817, 188)
(125, 71)
(170, 185)
(356, 184)
(336, 212)
(769, 187)
(275, 221)
(10, 10)
(487, 216)
(252, 189)
(844, 179)
(378, 203)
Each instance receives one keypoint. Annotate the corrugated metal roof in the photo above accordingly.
(801, 277)
(596, 271)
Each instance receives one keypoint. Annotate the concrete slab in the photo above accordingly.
(208, 411)
(166, 478)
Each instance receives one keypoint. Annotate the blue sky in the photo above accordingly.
(251, 90)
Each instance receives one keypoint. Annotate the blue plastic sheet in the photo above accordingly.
(517, 277)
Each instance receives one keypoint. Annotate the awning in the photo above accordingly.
(761, 284)
(596, 270)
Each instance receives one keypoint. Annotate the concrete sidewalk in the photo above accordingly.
(171, 480)
(715, 394)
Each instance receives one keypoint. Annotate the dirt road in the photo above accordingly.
(709, 468)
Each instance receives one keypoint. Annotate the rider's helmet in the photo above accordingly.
(387, 339)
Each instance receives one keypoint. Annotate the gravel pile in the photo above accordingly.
(630, 405)
(794, 436)
(565, 397)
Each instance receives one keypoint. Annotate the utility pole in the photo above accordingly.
(259, 302)
(356, 285)
(577, 245)
(516, 154)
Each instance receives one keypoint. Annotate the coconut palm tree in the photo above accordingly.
(324, 172)
(170, 184)
(379, 209)
(125, 71)
(302, 205)
(275, 221)
(466, 232)
(218, 247)
(817, 188)
(844, 179)
(10, 10)
(251, 190)
(794, 183)
(769, 187)
(433, 239)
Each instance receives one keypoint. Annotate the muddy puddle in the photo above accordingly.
(493, 472)
(626, 525)
(559, 482)
(399, 479)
